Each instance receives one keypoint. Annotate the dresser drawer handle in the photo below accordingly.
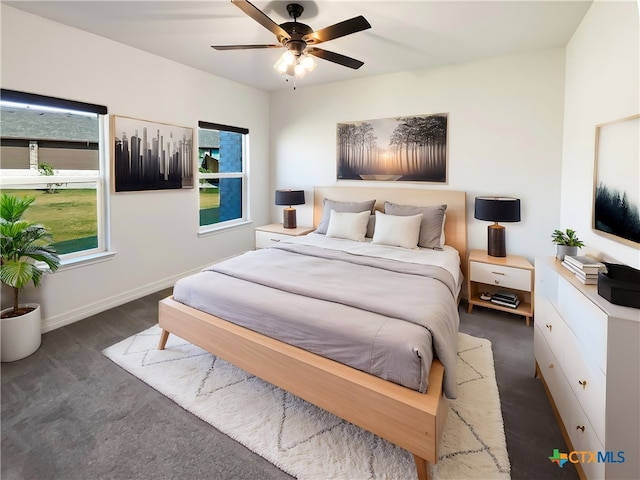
(275, 239)
(498, 273)
(549, 326)
(580, 427)
(583, 383)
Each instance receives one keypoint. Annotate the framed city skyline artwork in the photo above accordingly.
(405, 148)
(150, 156)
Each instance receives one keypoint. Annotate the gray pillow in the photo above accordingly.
(371, 226)
(351, 207)
(432, 221)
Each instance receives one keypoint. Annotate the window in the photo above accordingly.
(222, 177)
(53, 149)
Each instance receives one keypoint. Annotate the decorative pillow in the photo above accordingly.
(352, 226)
(432, 221)
(371, 226)
(398, 231)
(353, 207)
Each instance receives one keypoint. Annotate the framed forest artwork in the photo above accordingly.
(150, 156)
(412, 148)
(617, 180)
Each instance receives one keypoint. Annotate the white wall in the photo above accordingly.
(505, 134)
(602, 84)
(153, 233)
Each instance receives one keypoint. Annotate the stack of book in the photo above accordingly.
(505, 298)
(585, 268)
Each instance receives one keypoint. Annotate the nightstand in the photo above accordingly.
(487, 274)
(270, 234)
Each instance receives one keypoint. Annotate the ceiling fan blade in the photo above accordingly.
(242, 47)
(353, 25)
(257, 14)
(335, 58)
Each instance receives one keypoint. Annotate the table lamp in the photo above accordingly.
(289, 197)
(497, 209)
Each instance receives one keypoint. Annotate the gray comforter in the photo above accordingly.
(385, 317)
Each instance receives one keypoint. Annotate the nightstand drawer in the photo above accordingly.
(509, 277)
(264, 239)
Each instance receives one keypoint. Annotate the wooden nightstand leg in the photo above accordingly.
(528, 321)
(469, 308)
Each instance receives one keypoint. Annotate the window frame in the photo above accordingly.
(100, 177)
(242, 175)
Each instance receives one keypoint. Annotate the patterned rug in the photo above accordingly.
(308, 442)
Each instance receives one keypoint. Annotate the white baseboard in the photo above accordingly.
(72, 316)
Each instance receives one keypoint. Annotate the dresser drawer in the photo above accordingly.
(547, 282)
(509, 277)
(584, 439)
(586, 321)
(264, 239)
(554, 378)
(550, 324)
(587, 382)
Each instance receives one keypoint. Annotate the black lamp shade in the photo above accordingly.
(497, 209)
(289, 197)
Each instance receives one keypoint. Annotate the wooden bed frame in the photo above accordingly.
(412, 420)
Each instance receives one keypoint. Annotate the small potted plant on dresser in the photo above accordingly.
(567, 243)
(22, 245)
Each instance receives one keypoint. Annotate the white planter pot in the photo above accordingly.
(21, 336)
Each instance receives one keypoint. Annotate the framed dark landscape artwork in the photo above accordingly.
(617, 180)
(150, 156)
(412, 149)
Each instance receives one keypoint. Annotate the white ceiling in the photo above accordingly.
(405, 35)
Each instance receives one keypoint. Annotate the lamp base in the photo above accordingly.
(496, 244)
(289, 218)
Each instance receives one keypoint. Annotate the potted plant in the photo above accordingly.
(567, 243)
(22, 245)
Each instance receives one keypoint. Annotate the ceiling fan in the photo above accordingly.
(300, 39)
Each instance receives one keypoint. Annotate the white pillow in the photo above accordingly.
(352, 226)
(398, 231)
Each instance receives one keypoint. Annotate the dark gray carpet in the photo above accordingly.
(70, 413)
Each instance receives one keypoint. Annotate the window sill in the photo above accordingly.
(215, 229)
(81, 261)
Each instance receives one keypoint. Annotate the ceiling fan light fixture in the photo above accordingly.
(299, 70)
(285, 62)
(289, 64)
(304, 65)
(308, 62)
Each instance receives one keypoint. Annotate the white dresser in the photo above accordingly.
(587, 351)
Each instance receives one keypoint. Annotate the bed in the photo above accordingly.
(407, 409)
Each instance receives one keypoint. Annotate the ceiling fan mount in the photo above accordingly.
(298, 38)
(295, 10)
(294, 42)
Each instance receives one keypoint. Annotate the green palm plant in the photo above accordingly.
(22, 244)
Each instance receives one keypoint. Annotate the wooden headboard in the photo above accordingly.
(455, 228)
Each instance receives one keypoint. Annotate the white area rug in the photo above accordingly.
(308, 442)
